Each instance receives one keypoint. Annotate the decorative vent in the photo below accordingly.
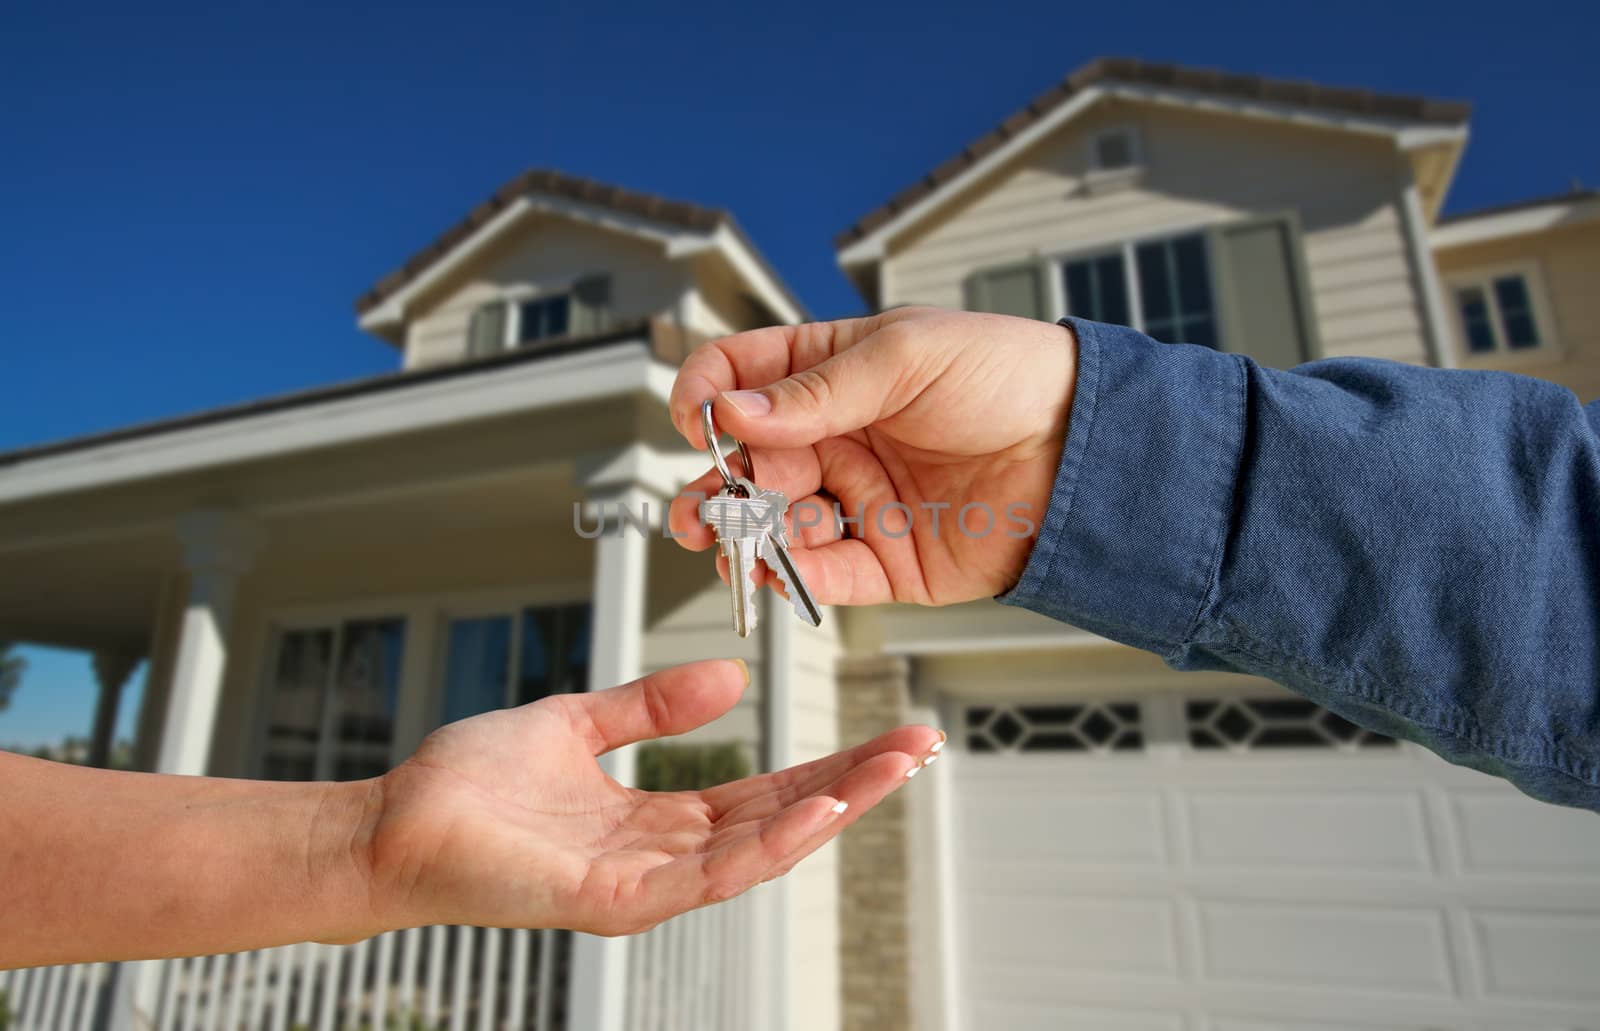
(1248, 723)
(1091, 727)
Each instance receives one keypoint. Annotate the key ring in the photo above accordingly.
(709, 426)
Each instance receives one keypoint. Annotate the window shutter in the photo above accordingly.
(486, 333)
(1262, 282)
(1008, 290)
(591, 305)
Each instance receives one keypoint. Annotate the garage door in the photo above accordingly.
(1251, 861)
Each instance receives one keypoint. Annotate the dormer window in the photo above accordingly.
(1115, 148)
(525, 316)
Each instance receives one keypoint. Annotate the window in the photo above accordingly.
(1114, 149)
(543, 318)
(1497, 314)
(511, 658)
(1090, 727)
(331, 700)
(1167, 295)
(1248, 724)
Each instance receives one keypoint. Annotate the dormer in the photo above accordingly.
(551, 259)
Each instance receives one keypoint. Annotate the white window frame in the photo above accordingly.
(1057, 260)
(1483, 278)
(427, 618)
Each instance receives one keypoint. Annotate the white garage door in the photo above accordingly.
(1253, 862)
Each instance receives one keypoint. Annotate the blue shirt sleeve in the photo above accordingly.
(1416, 549)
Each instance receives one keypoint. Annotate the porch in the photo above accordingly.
(316, 587)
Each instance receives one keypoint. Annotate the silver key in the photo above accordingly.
(748, 522)
(740, 524)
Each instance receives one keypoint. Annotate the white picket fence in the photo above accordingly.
(693, 973)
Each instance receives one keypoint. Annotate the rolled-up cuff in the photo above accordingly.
(1131, 543)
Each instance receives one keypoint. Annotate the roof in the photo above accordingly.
(676, 213)
(318, 395)
(1127, 70)
(1570, 197)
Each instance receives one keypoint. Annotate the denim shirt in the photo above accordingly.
(1416, 549)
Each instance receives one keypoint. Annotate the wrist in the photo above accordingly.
(339, 866)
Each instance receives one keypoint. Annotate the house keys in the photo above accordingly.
(748, 522)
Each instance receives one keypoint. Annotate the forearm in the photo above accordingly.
(101, 865)
(1411, 548)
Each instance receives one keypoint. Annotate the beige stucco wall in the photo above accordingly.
(544, 252)
(1199, 168)
(1566, 263)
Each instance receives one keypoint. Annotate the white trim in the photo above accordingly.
(1483, 277)
(739, 255)
(392, 310)
(1425, 273)
(620, 369)
(873, 246)
(1498, 226)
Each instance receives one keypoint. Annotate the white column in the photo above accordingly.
(598, 990)
(217, 548)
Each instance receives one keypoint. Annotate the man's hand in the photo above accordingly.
(934, 410)
(507, 820)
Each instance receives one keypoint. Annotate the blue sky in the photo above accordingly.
(192, 197)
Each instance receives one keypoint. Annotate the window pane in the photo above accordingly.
(1175, 290)
(1194, 282)
(366, 695)
(557, 314)
(555, 651)
(1097, 289)
(477, 661)
(1113, 283)
(1155, 285)
(1516, 312)
(1474, 308)
(1114, 150)
(294, 710)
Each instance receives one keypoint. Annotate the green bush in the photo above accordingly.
(664, 767)
(5, 1011)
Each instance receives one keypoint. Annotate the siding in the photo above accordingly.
(1566, 260)
(547, 251)
(1199, 169)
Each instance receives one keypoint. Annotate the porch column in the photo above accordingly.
(217, 548)
(111, 673)
(620, 489)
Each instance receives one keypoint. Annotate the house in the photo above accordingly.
(318, 579)
(1110, 843)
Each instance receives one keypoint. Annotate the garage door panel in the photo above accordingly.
(1278, 1024)
(1309, 830)
(1014, 1016)
(1499, 832)
(1544, 956)
(1101, 935)
(1277, 943)
(1026, 824)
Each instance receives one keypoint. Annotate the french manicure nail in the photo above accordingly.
(749, 402)
(936, 745)
(930, 760)
(840, 807)
(912, 772)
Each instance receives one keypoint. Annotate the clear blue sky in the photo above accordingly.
(193, 197)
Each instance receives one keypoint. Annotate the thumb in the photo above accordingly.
(853, 389)
(660, 704)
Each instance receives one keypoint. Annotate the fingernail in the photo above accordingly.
(912, 772)
(930, 760)
(840, 807)
(936, 745)
(749, 402)
(745, 670)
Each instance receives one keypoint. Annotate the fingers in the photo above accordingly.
(755, 359)
(798, 781)
(670, 701)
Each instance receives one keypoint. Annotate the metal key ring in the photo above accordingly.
(709, 426)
